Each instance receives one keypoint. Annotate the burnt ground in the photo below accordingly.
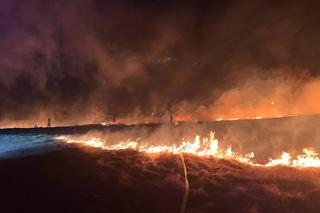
(89, 180)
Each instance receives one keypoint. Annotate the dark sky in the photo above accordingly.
(81, 60)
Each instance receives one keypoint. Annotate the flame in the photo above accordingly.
(257, 117)
(205, 147)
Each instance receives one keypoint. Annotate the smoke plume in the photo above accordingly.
(93, 61)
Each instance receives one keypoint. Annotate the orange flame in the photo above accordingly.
(207, 147)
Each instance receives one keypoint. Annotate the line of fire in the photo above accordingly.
(160, 106)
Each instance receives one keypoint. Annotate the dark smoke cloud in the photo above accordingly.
(89, 60)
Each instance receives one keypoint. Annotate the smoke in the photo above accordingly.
(92, 61)
(267, 138)
(260, 98)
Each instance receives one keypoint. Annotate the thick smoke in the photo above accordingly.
(260, 98)
(91, 61)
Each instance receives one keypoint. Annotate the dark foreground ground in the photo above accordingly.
(78, 180)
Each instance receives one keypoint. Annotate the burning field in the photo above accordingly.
(159, 106)
(165, 168)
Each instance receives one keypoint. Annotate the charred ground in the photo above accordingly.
(77, 180)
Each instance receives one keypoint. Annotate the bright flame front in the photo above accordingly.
(205, 147)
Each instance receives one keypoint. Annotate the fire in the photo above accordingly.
(205, 147)
(257, 117)
(308, 159)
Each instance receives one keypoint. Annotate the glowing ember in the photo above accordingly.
(205, 147)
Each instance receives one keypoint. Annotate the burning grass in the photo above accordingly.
(201, 147)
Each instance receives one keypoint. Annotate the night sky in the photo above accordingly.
(84, 61)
